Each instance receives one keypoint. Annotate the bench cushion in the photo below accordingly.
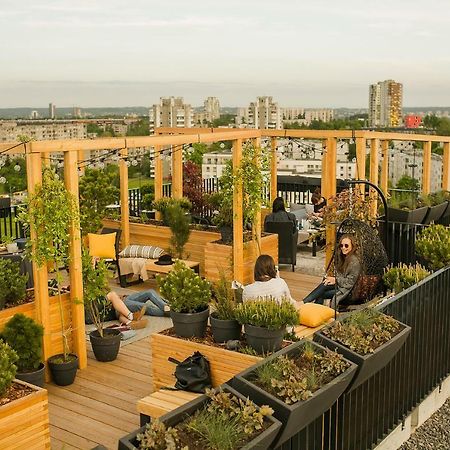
(141, 251)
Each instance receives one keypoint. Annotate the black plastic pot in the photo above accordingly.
(435, 213)
(226, 233)
(262, 441)
(405, 216)
(63, 373)
(297, 416)
(263, 340)
(190, 324)
(225, 330)
(371, 363)
(105, 348)
(36, 377)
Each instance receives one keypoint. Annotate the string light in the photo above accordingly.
(17, 168)
(2, 180)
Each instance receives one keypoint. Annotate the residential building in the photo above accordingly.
(412, 121)
(324, 115)
(76, 112)
(214, 163)
(211, 108)
(385, 104)
(170, 112)
(34, 115)
(293, 113)
(264, 113)
(51, 111)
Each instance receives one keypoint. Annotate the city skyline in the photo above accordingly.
(312, 55)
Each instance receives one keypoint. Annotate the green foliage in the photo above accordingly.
(13, 284)
(95, 288)
(157, 436)
(96, 192)
(184, 290)
(196, 153)
(179, 223)
(7, 240)
(403, 276)
(355, 123)
(363, 331)
(164, 203)
(408, 183)
(223, 298)
(15, 180)
(224, 120)
(148, 195)
(24, 335)
(433, 245)
(440, 124)
(8, 369)
(266, 312)
(140, 128)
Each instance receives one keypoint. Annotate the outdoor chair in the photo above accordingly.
(287, 241)
(114, 262)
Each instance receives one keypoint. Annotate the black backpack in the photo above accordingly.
(192, 374)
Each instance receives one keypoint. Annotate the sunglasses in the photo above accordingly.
(344, 245)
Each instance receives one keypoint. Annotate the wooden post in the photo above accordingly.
(257, 224)
(177, 171)
(426, 176)
(445, 167)
(361, 161)
(273, 170)
(331, 192)
(324, 185)
(384, 182)
(238, 248)
(75, 268)
(40, 274)
(80, 159)
(374, 144)
(124, 209)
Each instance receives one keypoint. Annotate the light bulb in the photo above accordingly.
(2, 180)
(17, 168)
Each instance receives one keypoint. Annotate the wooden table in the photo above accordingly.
(152, 267)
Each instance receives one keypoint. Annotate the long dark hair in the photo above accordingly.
(278, 205)
(265, 268)
(342, 260)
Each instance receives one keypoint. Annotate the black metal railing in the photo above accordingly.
(9, 226)
(360, 419)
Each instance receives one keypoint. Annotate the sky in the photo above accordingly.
(316, 53)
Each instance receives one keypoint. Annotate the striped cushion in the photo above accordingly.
(141, 251)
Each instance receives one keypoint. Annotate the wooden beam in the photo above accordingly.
(257, 224)
(374, 144)
(238, 249)
(361, 162)
(426, 176)
(384, 182)
(446, 167)
(273, 170)
(177, 171)
(331, 192)
(124, 210)
(75, 268)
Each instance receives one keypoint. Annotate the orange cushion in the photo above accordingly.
(312, 315)
(102, 245)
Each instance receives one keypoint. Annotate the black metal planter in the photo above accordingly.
(262, 339)
(225, 330)
(105, 348)
(297, 416)
(190, 324)
(435, 213)
(261, 442)
(36, 377)
(368, 364)
(405, 216)
(63, 373)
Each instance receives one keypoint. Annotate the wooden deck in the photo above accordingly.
(100, 407)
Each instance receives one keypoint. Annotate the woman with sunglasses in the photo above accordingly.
(348, 269)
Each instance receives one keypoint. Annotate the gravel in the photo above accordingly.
(434, 434)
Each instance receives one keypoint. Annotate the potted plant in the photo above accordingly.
(222, 419)
(10, 245)
(52, 210)
(367, 337)
(179, 224)
(224, 326)
(300, 382)
(105, 342)
(222, 201)
(433, 245)
(398, 278)
(161, 205)
(13, 285)
(24, 335)
(188, 296)
(265, 322)
(406, 211)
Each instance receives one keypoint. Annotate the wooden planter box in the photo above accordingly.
(219, 257)
(224, 364)
(159, 235)
(24, 423)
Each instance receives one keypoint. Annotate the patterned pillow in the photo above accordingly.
(141, 251)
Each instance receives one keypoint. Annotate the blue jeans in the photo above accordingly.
(155, 307)
(320, 293)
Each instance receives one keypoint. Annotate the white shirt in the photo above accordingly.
(275, 287)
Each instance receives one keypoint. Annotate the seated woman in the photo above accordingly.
(318, 204)
(279, 213)
(348, 269)
(267, 282)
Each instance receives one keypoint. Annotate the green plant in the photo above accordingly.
(179, 223)
(13, 284)
(184, 290)
(95, 289)
(24, 335)
(433, 245)
(148, 195)
(8, 369)
(7, 240)
(164, 203)
(403, 276)
(52, 211)
(363, 331)
(223, 298)
(266, 312)
(96, 192)
(157, 436)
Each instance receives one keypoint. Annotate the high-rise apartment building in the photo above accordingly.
(385, 104)
(170, 112)
(51, 111)
(264, 113)
(211, 108)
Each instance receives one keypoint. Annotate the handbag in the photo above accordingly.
(193, 374)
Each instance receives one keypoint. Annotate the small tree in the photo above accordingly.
(13, 284)
(7, 367)
(179, 222)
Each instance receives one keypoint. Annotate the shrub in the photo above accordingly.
(433, 245)
(267, 313)
(164, 203)
(148, 195)
(24, 335)
(404, 276)
(184, 290)
(13, 284)
(223, 299)
(179, 223)
(7, 367)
